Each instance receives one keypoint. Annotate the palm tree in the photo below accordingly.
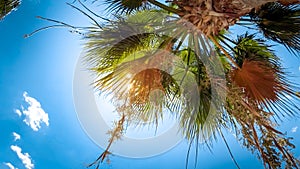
(183, 55)
(6, 6)
(247, 57)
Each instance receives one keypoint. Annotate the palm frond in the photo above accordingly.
(200, 115)
(126, 6)
(262, 77)
(7, 6)
(140, 63)
(120, 38)
(129, 64)
(197, 94)
(200, 74)
(280, 23)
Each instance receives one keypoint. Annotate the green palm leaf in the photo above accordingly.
(126, 66)
(123, 55)
(199, 119)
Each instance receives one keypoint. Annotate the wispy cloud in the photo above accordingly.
(10, 166)
(294, 129)
(17, 136)
(34, 114)
(24, 157)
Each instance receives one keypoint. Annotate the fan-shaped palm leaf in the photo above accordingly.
(262, 77)
(126, 6)
(199, 117)
(135, 64)
(280, 23)
(257, 89)
(126, 62)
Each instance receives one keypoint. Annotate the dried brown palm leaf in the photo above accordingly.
(261, 77)
(143, 84)
(258, 80)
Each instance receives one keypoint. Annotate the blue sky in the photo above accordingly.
(38, 123)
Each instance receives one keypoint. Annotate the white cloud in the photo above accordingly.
(25, 158)
(294, 129)
(10, 166)
(19, 113)
(17, 136)
(34, 114)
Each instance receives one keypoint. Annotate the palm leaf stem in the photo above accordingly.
(188, 153)
(114, 136)
(228, 148)
(165, 7)
(230, 47)
(197, 152)
(224, 51)
(56, 21)
(44, 28)
(230, 40)
(80, 10)
(246, 19)
(85, 7)
(59, 24)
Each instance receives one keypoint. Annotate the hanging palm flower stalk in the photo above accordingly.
(257, 90)
(257, 132)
